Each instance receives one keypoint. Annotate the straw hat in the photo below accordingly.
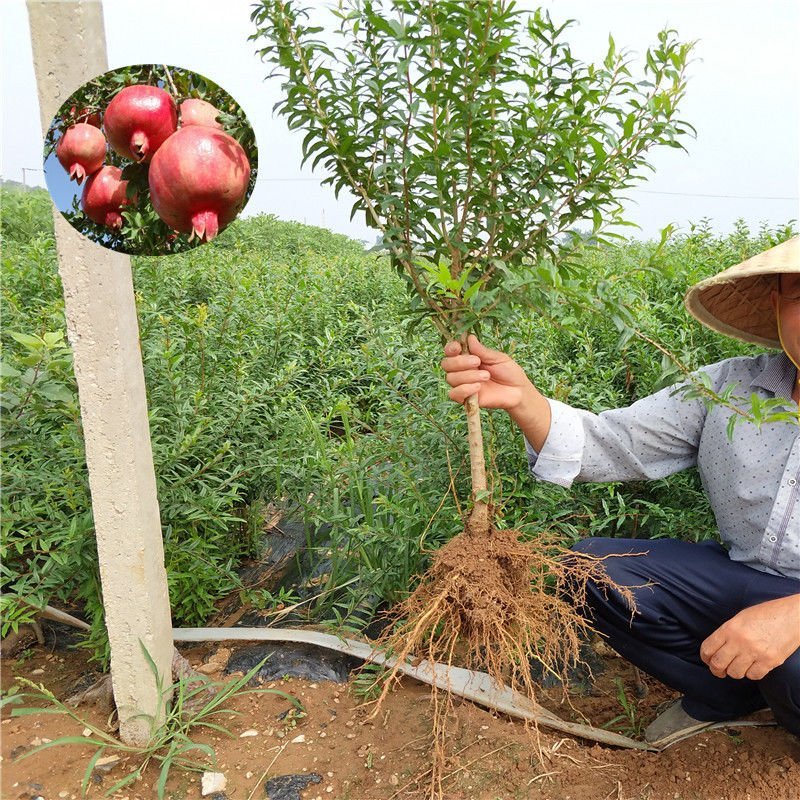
(736, 302)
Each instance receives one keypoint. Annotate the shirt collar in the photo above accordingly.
(778, 376)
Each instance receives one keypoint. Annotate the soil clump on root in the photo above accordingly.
(495, 603)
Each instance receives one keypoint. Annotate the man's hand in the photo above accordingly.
(495, 377)
(499, 382)
(755, 641)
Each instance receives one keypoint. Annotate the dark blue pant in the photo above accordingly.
(695, 589)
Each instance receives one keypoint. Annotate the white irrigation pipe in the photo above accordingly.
(478, 687)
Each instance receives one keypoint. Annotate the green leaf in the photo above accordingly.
(83, 740)
(608, 62)
(597, 148)
(627, 128)
(7, 371)
(87, 774)
(56, 392)
(31, 342)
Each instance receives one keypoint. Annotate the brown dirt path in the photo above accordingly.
(492, 758)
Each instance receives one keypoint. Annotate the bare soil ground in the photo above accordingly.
(491, 757)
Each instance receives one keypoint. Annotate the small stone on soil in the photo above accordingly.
(107, 763)
(213, 782)
(251, 732)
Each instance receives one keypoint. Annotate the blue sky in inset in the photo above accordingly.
(61, 188)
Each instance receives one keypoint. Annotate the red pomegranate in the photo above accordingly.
(199, 112)
(104, 196)
(198, 179)
(138, 120)
(81, 151)
(84, 115)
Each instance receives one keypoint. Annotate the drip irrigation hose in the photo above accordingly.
(478, 687)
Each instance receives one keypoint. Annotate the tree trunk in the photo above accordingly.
(478, 524)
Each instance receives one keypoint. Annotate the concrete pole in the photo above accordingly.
(69, 49)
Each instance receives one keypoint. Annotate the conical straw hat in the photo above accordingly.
(736, 302)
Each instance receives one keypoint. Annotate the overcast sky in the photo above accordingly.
(743, 98)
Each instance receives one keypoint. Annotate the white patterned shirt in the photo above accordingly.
(752, 481)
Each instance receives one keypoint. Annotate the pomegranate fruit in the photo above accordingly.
(199, 112)
(198, 180)
(138, 121)
(84, 115)
(104, 196)
(81, 151)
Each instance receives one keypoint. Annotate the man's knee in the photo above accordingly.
(593, 545)
(597, 598)
(621, 559)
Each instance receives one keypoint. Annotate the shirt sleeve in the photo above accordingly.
(652, 438)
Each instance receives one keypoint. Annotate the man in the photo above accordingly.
(719, 624)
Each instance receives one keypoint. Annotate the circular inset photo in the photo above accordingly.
(150, 159)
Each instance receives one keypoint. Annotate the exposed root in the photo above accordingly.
(100, 693)
(497, 604)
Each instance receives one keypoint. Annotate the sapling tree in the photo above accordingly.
(475, 142)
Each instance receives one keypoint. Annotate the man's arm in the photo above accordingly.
(652, 438)
(755, 641)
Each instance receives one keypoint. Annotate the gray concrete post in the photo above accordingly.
(69, 49)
